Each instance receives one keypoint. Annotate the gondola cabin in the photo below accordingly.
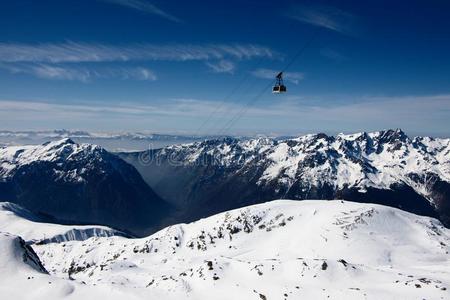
(279, 87)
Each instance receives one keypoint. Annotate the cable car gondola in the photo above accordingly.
(279, 87)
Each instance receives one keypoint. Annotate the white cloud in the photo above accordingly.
(54, 72)
(138, 73)
(146, 7)
(143, 74)
(83, 74)
(223, 66)
(326, 17)
(294, 77)
(71, 52)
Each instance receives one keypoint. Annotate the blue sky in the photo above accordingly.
(194, 66)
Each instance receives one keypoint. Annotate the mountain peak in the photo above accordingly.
(321, 135)
(60, 142)
(67, 141)
(395, 132)
(392, 135)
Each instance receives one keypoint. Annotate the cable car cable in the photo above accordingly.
(237, 117)
(219, 107)
(243, 110)
(302, 49)
(226, 124)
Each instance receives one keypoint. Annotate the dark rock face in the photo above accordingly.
(441, 196)
(82, 184)
(385, 167)
(29, 256)
(400, 196)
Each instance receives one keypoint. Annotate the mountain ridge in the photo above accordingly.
(79, 184)
(364, 167)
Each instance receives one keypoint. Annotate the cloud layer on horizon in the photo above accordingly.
(288, 116)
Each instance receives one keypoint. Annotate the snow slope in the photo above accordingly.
(276, 250)
(19, 221)
(23, 277)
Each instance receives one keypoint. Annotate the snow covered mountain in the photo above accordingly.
(79, 184)
(385, 167)
(277, 250)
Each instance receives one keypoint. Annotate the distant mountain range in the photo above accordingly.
(112, 141)
(385, 167)
(63, 133)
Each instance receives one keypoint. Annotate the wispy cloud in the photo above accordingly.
(83, 74)
(139, 73)
(146, 7)
(72, 52)
(49, 72)
(67, 61)
(294, 77)
(222, 66)
(326, 17)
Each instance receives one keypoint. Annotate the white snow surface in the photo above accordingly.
(277, 250)
(19, 221)
(22, 277)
